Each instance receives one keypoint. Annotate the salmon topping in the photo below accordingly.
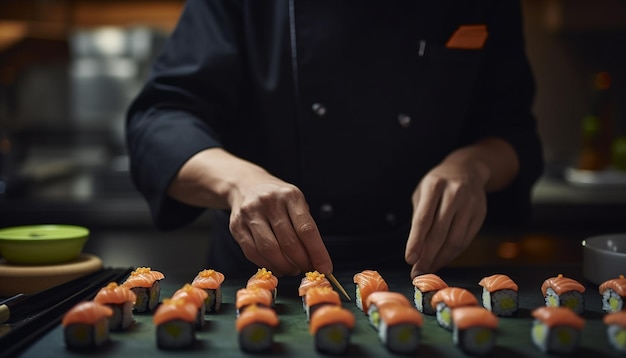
(557, 316)
(115, 294)
(192, 294)
(474, 316)
(383, 297)
(256, 314)
(369, 281)
(429, 282)
(172, 309)
(208, 279)
(331, 314)
(143, 277)
(312, 279)
(253, 295)
(264, 279)
(87, 312)
(617, 284)
(615, 318)
(454, 297)
(395, 313)
(498, 282)
(320, 294)
(561, 284)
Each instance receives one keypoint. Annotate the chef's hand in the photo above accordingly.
(269, 219)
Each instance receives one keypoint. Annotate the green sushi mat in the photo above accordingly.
(219, 337)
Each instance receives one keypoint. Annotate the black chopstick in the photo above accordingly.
(31, 328)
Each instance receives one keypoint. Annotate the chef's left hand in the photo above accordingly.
(449, 207)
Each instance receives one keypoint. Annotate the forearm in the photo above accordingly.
(211, 177)
(493, 160)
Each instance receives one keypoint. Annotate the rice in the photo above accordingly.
(611, 301)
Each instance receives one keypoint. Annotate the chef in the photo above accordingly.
(376, 133)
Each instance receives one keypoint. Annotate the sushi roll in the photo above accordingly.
(121, 300)
(317, 297)
(378, 299)
(449, 298)
(474, 329)
(145, 284)
(195, 295)
(86, 325)
(400, 327)
(562, 291)
(500, 295)
(312, 279)
(556, 330)
(616, 330)
(211, 282)
(265, 279)
(613, 292)
(425, 286)
(175, 324)
(366, 282)
(331, 327)
(255, 328)
(252, 296)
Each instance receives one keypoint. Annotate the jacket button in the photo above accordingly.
(404, 120)
(326, 211)
(319, 109)
(391, 219)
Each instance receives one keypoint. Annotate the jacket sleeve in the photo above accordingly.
(191, 89)
(501, 107)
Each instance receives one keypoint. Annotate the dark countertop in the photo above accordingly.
(218, 338)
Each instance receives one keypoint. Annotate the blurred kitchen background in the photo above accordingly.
(69, 68)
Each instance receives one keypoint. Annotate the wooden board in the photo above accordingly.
(16, 279)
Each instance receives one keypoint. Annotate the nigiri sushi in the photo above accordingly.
(210, 281)
(449, 298)
(312, 279)
(366, 282)
(252, 296)
(145, 284)
(400, 327)
(265, 279)
(425, 286)
(499, 294)
(175, 324)
(474, 329)
(195, 295)
(563, 291)
(613, 292)
(331, 327)
(320, 296)
(121, 300)
(556, 329)
(380, 298)
(86, 325)
(616, 330)
(255, 327)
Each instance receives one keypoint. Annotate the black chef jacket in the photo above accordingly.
(352, 101)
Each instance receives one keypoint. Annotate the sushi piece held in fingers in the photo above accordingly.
(246, 297)
(561, 291)
(500, 295)
(449, 298)
(86, 325)
(556, 329)
(265, 279)
(613, 292)
(474, 329)
(255, 327)
(121, 300)
(312, 279)
(616, 330)
(381, 298)
(366, 282)
(425, 287)
(211, 282)
(175, 324)
(400, 328)
(317, 297)
(195, 295)
(145, 284)
(331, 327)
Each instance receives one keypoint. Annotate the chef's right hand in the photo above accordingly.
(270, 220)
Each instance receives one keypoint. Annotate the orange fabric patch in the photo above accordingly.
(468, 37)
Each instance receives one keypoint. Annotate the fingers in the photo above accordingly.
(425, 203)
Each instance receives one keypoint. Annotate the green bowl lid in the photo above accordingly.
(43, 232)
